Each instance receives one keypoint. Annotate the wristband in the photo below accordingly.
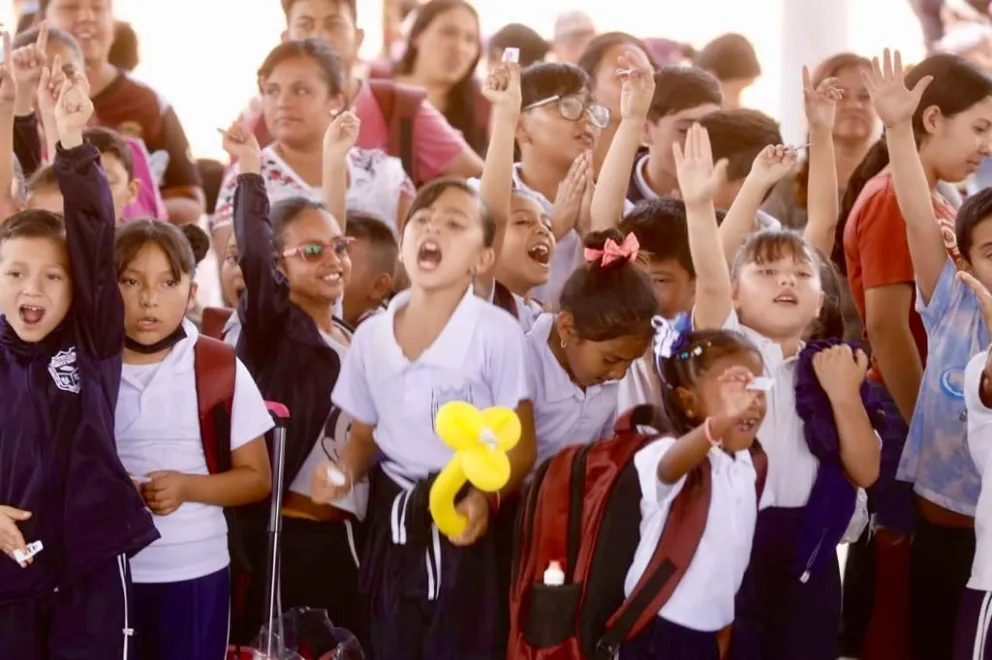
(714, 442)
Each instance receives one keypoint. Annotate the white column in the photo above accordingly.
(812, 30)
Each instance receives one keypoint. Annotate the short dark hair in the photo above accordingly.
(678, 88)
(739, 136)
(124, 51)
(385, 249)
(977, 209)
(352, 5)
(33, 223)
(184, 247)
(592, 55)
(429, 193)
(730, 57)
(533, 47)
(609, 302)
(44, 178)
(30, 36)
(315, 49)
(662, 230)
(110, 142)
(286, 211)
(545, 79)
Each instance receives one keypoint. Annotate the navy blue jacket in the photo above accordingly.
(280, 344)
(58, 457)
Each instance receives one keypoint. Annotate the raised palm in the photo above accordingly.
(820, 101)
(699, 179)
(893, 101)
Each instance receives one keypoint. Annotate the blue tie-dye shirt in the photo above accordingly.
(936, 458)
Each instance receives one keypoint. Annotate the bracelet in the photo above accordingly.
(495, 500)
(714, 442)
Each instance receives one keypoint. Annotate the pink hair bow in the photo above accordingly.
(613, 252)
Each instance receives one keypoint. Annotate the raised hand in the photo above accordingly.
(73, 110)
(735, 398)
(502, 87)
(699, 179)
(341, 134)
(772, 164)
(28, 63)
(840, 371)
(820, 102)
(50, 87)
(243, 147)
(637, 90)
(894, 103)
(568, 200)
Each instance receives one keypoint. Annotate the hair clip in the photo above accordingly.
(666, 337)
(613, 251)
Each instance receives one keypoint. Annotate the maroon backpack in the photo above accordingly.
(580, 511)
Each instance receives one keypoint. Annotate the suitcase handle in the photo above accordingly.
(279, 412)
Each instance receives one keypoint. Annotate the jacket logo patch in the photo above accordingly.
(63, 369)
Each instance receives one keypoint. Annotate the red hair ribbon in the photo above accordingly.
(612, 251)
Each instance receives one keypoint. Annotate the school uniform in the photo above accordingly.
(973, 638)
(425, 597)
(564, 413)
(703, 602)
(778, 616)
(181, 582)
(232, 330)
(292, 363)
(57, 456)
(525, 311)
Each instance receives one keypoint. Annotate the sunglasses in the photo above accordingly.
(573, 107)
(314, 251)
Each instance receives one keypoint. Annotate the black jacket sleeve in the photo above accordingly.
(27, 144)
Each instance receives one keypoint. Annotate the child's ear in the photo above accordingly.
(382, 285)
(359, 39)
(284, 37)
(338, 103)
(133, 188)
(191, 303)
(521, 135)
(485, 262)
(689, 403)
(647, 134)
(931, 119)
(565, 325)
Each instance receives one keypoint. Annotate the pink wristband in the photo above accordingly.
(714, 442)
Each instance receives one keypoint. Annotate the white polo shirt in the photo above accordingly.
(478, 357)
(158, 428)
(564, 414)
(980, 445)
(792, 468)
(704, 598)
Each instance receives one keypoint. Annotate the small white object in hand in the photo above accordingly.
(336, 476)
(511, 55)
(761, 384)
(33, 549)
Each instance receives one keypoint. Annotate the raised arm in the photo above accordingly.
(265, 303)
(821, 202)
(8, 108)
(698, 180)
(895, 106)
(769, 167)
(339, 138)
(90, 222)
(502, 90)
(636, 95)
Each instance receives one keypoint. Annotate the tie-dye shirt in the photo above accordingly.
(936, 458)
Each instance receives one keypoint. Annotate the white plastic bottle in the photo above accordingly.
(554, 576)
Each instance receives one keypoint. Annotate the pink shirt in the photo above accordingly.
(436, 145)
(149, 202)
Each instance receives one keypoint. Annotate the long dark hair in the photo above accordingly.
(957, 85)
(461, 109)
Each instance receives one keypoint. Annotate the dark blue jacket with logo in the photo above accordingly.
(58, 458)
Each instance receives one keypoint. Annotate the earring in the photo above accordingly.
(564, 344)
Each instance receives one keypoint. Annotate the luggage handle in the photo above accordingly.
(272, 615)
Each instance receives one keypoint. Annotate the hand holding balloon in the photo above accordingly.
(480, 440)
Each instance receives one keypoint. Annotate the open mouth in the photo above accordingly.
(748, 424)
(148, 324)
(586, 139)
(31, 314)
(540, 253)
(786, 299)
(333, 277)
(429, 255)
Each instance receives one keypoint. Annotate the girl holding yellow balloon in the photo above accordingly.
(436, 384)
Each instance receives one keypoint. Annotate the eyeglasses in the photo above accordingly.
(315, 251)
(573, 107)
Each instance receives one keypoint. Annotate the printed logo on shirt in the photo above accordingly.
(63, 369)
(334, 435)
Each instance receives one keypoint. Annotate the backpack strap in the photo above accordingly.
(399, 105)
(213, 321)
(679, 540)
(215, 367)
(504, 299)
(759, 459)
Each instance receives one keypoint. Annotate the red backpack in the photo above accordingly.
(213, 321)
(399, 105)
(581, 511)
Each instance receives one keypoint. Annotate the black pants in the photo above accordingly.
(318, 570)
(87, 620)
(940, 566)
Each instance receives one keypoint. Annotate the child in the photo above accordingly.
(182, 584)
(732, 60)
(660, 228)
(294, 348)
(974, 634)
(706, 398)
(787, 611)
(431, 597)
(936, 457)
(61, 338)
(577, 358)
(682, 95)
(374, 258)
(232, 286)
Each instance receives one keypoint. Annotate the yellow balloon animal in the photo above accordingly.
(480, 440)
